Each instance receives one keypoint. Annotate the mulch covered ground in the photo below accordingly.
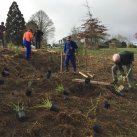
(81, 112)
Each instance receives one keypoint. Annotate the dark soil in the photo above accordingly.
(81, 112)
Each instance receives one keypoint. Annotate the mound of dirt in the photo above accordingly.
(81, 112)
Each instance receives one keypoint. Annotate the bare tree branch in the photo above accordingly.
(44, 23)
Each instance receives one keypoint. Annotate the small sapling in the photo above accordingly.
(20, 111)
(29, 89)
(49, 73)
(47, 103)
(60, 89)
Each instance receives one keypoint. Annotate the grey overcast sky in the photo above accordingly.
(119, 16)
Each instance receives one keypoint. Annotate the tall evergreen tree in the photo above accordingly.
(15, 25)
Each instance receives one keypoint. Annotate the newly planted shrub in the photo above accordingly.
(93, 108)
(60, 89)
(29, 89)
(20, 111)
(29, 83)
(46, 103)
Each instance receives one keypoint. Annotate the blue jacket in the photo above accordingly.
(70, 48)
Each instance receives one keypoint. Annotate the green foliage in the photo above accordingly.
(81, 49)
(60, 89)
(15, 25)
(29, 83)
(18, 107)
(94, 105)
(122, 78)
(123, 44)
(11, 46)
(108, 52)
(46, 103)
(14, 48)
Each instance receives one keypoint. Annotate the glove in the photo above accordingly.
(124, 78)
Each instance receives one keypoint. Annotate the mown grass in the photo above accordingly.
(100, 52)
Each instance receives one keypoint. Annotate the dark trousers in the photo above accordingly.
(72, 59)
(37, 44)
(28, 50)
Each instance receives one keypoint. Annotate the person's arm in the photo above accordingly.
(65, 48)
(121, 70)
(75, 45)
(42, 33)
(31, 38)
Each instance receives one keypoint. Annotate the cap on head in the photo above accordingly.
(116, 58)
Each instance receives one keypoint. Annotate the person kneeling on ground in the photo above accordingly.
(69, 49)
(121, 59)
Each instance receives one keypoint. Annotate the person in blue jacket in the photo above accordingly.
(69, 49)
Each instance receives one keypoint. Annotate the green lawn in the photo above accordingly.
(101, 52)
(109, 52)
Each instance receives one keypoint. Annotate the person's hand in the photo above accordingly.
(124, 78)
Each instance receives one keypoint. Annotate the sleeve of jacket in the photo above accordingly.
(65, 47)
(75, 45)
